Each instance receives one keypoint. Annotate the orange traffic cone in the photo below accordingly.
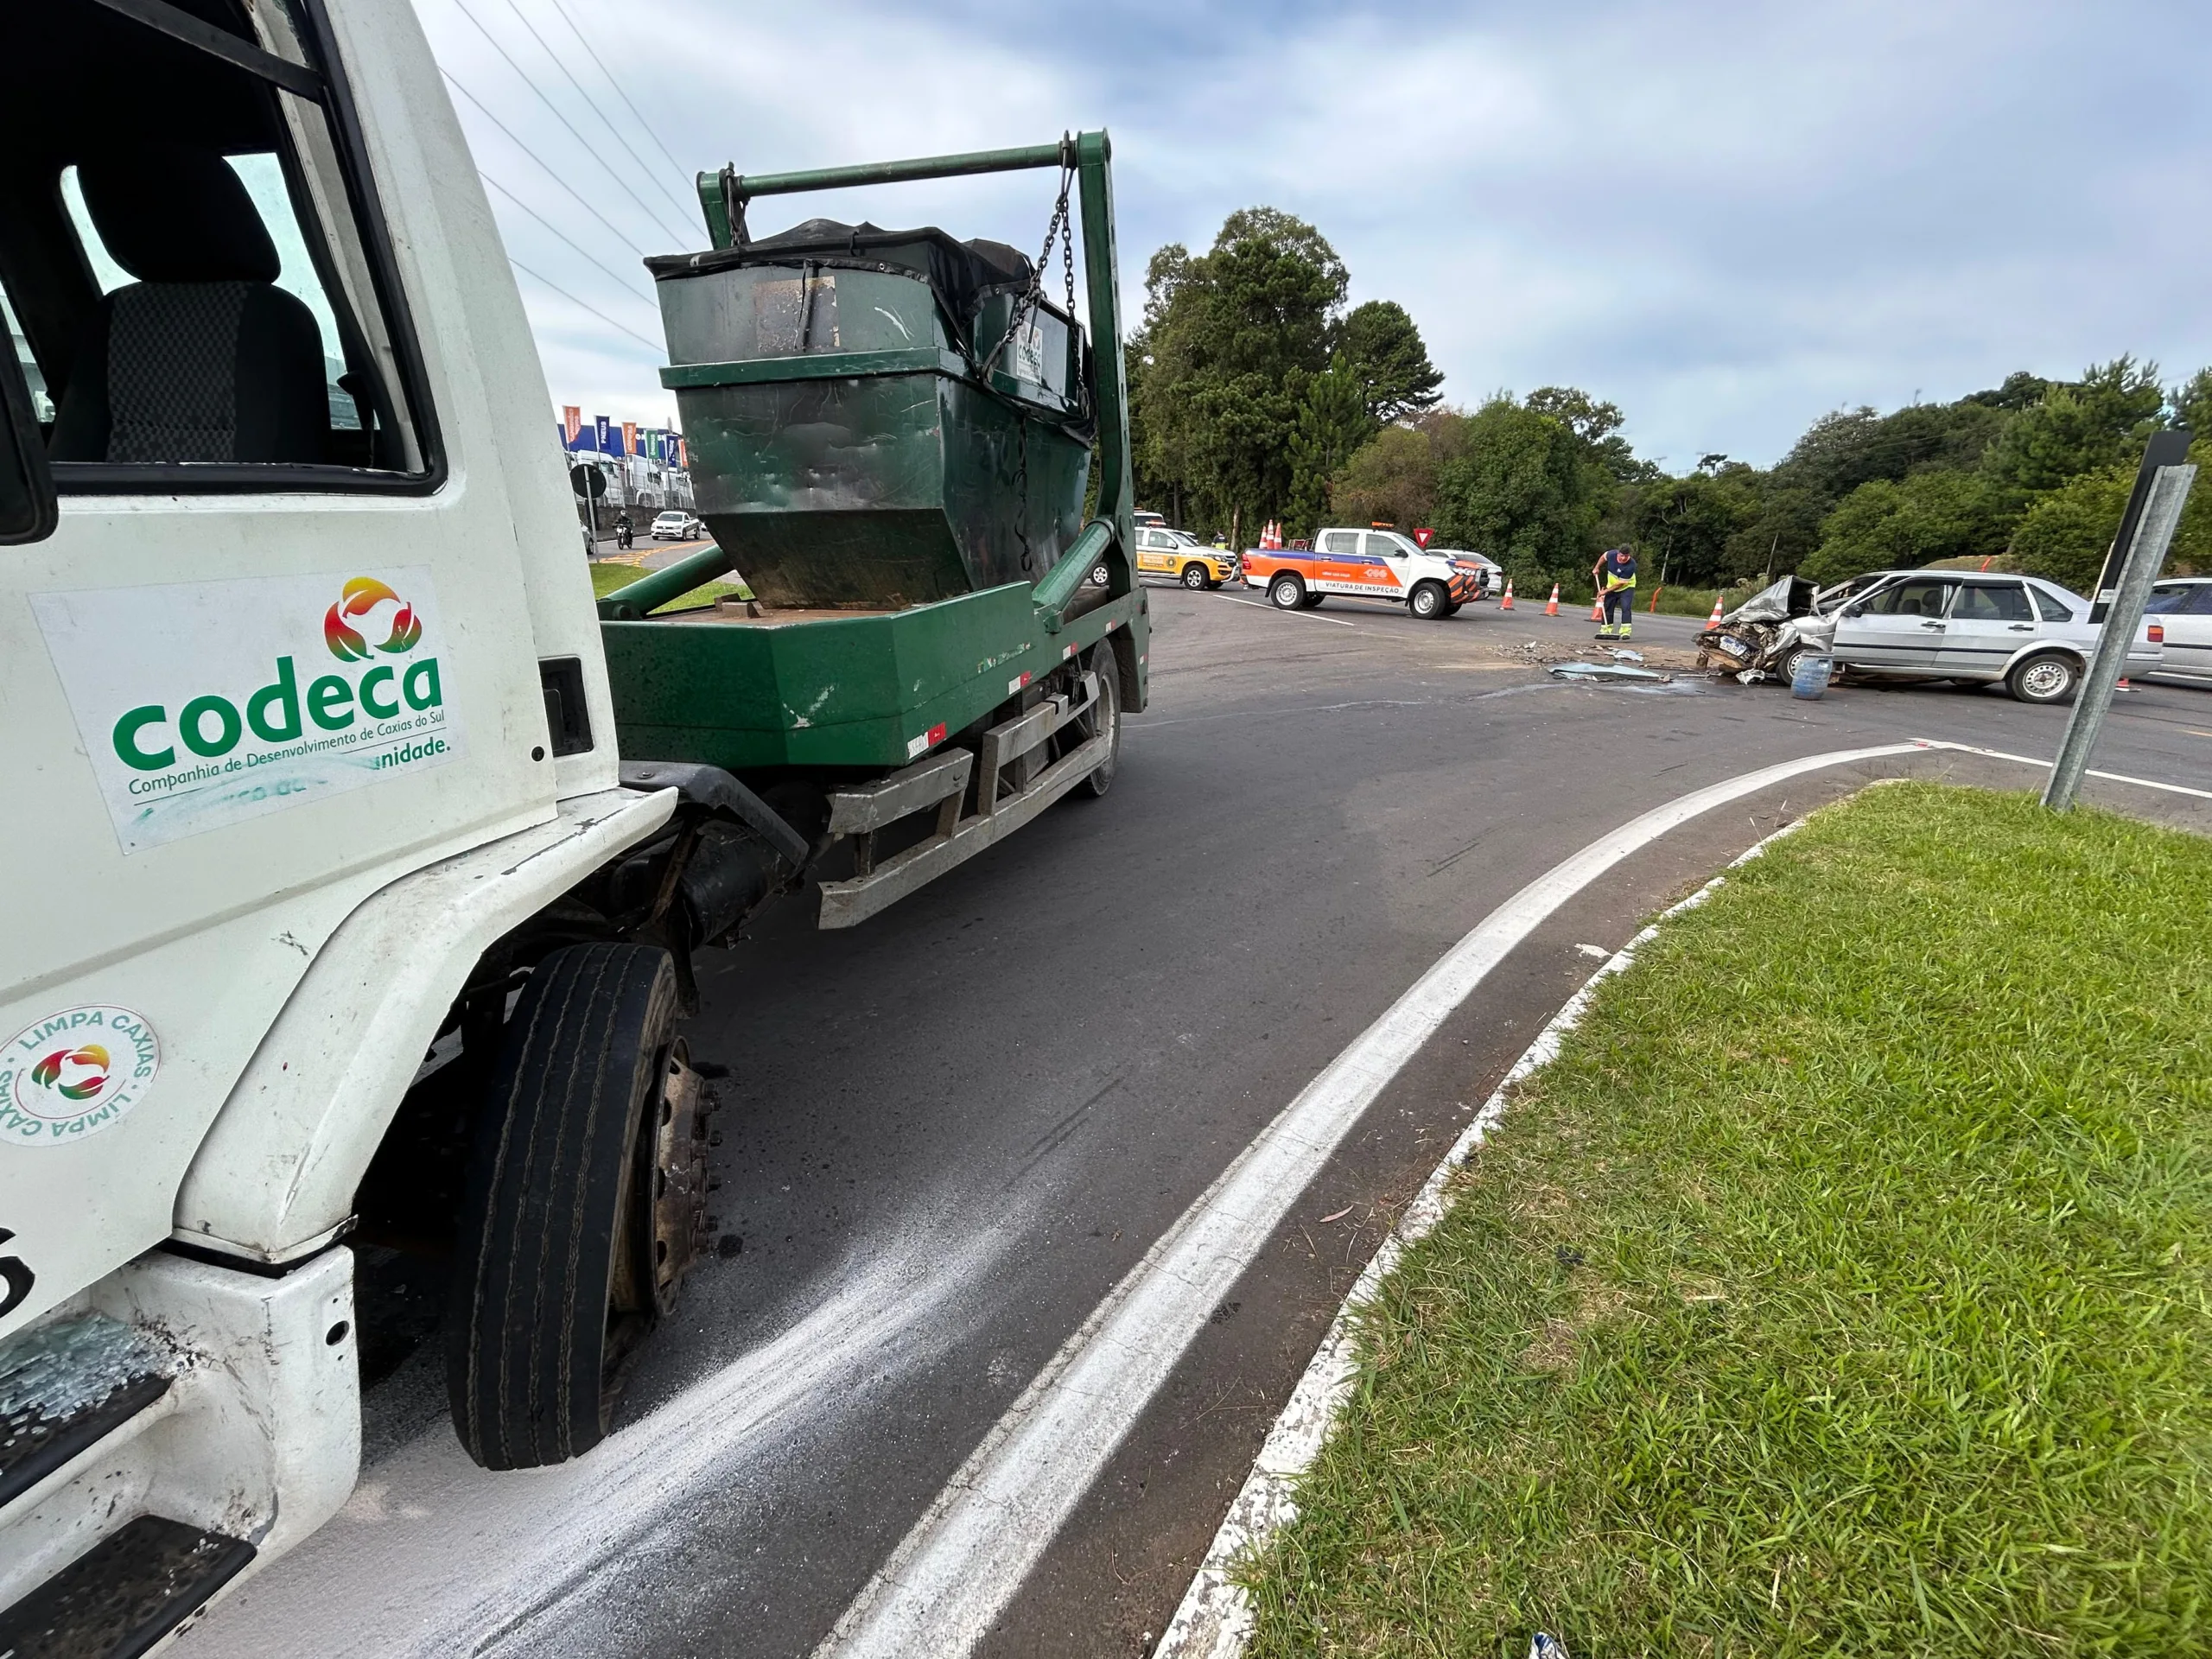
(1597, 609)
(1506, 604)
(1551, 605)
(1714, 621)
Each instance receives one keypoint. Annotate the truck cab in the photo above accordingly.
(1370, 563)
(337, 916)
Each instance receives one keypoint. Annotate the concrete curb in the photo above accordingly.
(1215, 1619)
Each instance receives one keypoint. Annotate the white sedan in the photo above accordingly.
(2030, 634)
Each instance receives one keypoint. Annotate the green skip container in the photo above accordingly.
(865, 432)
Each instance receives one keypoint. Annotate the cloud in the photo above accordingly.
(1725, 218)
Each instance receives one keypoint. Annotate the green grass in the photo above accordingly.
(1840, 1289)
(605, 578)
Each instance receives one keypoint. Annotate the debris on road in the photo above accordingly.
(1604, 672)
(1626, 656)
(1339, 1215)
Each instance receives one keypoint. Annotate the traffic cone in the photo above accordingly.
(1506, 604)
(1597, 609)
(1551, 605)
(1714, 621)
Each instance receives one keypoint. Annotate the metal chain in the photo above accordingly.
(1021, 482)
(1061, 230)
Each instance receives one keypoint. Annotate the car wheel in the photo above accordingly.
(1427, 600)
(1194, 578)
(1286, 593)
(1785, 667)
(2047, 678)
(563, 1227)
(1312, 602)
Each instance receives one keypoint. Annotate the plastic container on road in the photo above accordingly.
(1811, 680)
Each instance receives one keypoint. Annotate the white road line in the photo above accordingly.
(2109, 777)
(963, 1561)
(1310, 616)
(1215, 1619)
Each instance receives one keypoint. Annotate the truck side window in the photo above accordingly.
(191, 255)
(1340, 541)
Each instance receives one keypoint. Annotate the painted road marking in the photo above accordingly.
(2030, 760)
(1215, 1619)
(965, 1560)
(1309, 615)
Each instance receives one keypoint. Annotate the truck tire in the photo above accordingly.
(550, 1292)
(2048, 677)
(1286, 593)
(1452, 609)
(1195, 577)
(1312, 602)
(1427, 601)
(1103, 718)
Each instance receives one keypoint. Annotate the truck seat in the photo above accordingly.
(203, 359)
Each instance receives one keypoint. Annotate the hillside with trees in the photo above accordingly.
(1256, 393)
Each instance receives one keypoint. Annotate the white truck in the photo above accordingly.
(1375, 564)
(325, 893)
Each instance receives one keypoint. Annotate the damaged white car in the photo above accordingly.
(2030, 635)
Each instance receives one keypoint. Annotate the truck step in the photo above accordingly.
(124, 1594)
(66, 1387)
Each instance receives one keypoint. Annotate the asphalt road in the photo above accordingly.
(947, 1134)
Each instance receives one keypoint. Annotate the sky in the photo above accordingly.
(1727, 218)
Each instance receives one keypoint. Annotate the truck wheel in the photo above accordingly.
(1427, 601)
(1312, 602)
(554, 1283)
(1103, 719)
(1452, 609)
(1194, 578)
(1286, 593)
(2048, 679)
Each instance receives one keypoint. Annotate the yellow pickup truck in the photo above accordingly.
(1165, 552)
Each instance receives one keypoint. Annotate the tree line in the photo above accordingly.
(1255, 394)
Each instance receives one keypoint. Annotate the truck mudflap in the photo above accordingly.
(163, 1432)
(941, 783)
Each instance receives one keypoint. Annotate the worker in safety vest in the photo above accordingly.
(1615, 574)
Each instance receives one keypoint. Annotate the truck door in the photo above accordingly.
(1384, 571)
(1337, 561)
(277, 652)
(1988, 622)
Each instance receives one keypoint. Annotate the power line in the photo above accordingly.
(654, 345)
(643, 167)
(681, 170)
(620, 183)
(640, 294)
(620, 235)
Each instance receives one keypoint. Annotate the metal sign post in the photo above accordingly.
(2139, 553)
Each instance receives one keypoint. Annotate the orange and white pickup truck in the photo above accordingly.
(1368, 564)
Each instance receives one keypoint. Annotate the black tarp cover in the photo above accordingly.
(961, 273)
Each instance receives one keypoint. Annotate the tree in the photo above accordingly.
(1381, 350)
(1932, 515)
(1526, 492)
(1686, 526)
(1392, 477)
(2101, 421)
(1333, 421)
(2191, 402)
(2068, 531)
(1233, 338)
